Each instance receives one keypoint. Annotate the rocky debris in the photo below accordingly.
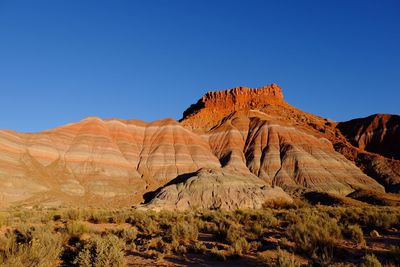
(374, 233)
(215, 189)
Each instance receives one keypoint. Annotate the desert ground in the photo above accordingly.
(279, 234)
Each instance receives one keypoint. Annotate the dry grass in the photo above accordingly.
(297, 234)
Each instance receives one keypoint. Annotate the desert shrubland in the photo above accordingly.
(284, 235)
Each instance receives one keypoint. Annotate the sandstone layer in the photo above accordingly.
(215, 105)
(379, 133)
(284, 156)
(250, 140)
(95, 159)
(275, 141)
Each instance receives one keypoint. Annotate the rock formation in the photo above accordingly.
(379, 133)
(215, 189)
(229, 145)
(215, 105)
(98, 158)
(285, 156)
(273, 107)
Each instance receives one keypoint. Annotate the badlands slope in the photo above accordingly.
(234, 148)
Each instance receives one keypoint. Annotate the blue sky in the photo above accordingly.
(61, 61)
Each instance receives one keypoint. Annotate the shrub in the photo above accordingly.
(76, 228)
(98, 216)
(126, 234)
(233, 234)
(372, 217)
(264, 218)
(284, 260)
(264, 259)
(73, 214)
(256, 245)
(143, 222)
(184, 233)
(284, 243)
(119, 217)
(316, 236)
(370, 261)
(241, 246)
(102, 251)
(157, 244)
(29, 246)
(56, 217)
(218, 254)
(381, 219)
(278, 203)
(198, 247)
(257, 229)
(354, 233)
(394, 252)
(180, 249)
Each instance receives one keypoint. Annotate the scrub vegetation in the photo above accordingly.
(290, 235)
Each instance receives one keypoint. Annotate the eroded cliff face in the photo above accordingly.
(250, 141)
(95, 160)
(285, 156)
(290, 147)
(379, 133)
(375, 147)
(215, 105)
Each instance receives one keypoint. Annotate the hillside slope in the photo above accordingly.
(243, 137)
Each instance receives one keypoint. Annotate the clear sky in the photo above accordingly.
(61, 61)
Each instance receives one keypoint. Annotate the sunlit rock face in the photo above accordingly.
(237, 148)
(215, 105)
(98, 158)
(285, 156)
(256, 130)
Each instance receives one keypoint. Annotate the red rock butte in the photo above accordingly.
(216, 104)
